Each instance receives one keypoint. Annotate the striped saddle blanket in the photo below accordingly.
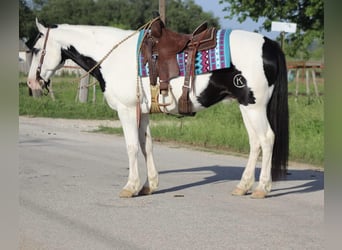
(205, 61)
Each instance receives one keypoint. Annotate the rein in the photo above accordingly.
(145, 26)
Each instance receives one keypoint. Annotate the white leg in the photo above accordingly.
(258, 121)
(248, 176)
(145, 140)
(130, 128)
(265, 179)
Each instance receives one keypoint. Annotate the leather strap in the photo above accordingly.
(39, 68)
(190, 66)
(184, 101)
(152, 61)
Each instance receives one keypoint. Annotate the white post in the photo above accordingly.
(94, 93)
(83, 91)
(51, 92)
(297, 80)
(313, 74)
(307, 82)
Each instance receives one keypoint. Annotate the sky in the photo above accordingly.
(216, 8)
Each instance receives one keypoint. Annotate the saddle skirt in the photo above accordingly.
(205, 60)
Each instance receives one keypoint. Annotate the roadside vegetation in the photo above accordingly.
(218, 128)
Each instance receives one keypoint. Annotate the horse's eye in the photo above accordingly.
(35, 51)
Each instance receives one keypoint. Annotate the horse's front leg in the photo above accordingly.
(130, 128)
(145, 140)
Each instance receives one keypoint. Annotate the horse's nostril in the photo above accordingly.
(33, 84)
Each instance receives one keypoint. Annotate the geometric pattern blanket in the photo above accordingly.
(205, 61)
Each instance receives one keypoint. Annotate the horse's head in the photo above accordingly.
(46, 59)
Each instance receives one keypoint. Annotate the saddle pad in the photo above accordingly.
(205, 61)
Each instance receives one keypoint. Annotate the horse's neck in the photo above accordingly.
(91, 41)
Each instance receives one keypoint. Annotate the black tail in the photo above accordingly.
(277, 109)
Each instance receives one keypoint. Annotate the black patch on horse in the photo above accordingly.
(224, 83)
(84, 62)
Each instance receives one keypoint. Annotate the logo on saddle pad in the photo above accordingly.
(205, 61)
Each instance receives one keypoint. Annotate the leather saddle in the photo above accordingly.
(160, 48)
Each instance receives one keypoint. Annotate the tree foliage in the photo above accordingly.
(307, 14)
(26, 26)
(182, 16)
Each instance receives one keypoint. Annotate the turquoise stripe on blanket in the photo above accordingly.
(205, 61)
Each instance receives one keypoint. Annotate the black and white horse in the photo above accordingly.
(257, 59)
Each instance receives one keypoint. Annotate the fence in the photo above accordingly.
(305, 69)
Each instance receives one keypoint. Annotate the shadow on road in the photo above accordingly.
(311, 180)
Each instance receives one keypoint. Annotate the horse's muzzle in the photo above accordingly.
(37, 87)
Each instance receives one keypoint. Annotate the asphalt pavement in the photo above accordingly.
(70, 179)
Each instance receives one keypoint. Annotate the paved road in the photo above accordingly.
(70, 180)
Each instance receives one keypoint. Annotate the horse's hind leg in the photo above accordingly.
(145, 140)
(130, 128)
(257, 119)
(248, 176)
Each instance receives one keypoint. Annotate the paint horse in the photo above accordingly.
(255, 59)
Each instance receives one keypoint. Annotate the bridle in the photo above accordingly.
(45, 84)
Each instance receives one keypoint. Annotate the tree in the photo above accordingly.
(185, 16)
(66, 11)
(26, 15)
(181, 16)
(307, 14)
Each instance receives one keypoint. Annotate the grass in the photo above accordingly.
(64, 106)
(219, 127)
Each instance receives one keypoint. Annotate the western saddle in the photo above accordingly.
(159, 49)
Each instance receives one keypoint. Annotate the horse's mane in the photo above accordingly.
(106, 36)
(92, 30)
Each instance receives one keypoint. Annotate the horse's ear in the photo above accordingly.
(40, 26)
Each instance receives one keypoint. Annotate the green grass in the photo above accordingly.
(219, 127)
(307, 130)
(64, 105)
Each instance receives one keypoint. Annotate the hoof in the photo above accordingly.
(126, 194)
(239, 192)
(257, 194)
(145, 191)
